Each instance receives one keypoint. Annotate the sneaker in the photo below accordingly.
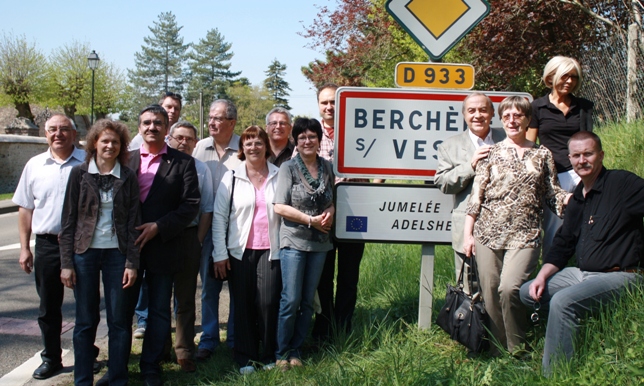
(246, 370)
(269, 366)
(139, 333)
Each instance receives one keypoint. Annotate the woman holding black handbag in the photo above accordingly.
(245, 232)
(503, 223)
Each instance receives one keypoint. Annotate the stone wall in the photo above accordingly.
(15, 151)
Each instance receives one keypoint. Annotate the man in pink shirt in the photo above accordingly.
(169, 202)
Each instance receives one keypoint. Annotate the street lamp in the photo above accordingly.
(92, 62)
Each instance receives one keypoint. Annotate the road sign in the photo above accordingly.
(409, 213)
(437, 25)
(435, 75)
(395, 133)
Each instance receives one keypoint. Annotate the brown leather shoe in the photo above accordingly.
(203, 354)
(187, 365)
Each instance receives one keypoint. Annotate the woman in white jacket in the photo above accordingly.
(245, 232)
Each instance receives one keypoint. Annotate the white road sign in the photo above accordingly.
(409, 213)
(395, 133)
(437, 25)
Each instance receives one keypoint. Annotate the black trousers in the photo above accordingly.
(346, 292)
(257, 286)
(51, 291)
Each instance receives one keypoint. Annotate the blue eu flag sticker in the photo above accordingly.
(356, 224)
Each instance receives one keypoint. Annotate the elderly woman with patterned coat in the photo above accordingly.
(503, 223)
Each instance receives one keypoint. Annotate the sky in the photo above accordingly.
(259, 31)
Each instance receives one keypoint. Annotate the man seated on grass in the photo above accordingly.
(603, 228)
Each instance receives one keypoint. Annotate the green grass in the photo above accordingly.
(6, 196)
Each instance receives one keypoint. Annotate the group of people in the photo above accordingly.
(255, 209)
(509, 197)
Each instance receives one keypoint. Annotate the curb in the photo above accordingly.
(7, 206)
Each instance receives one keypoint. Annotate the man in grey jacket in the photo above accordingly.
(457, 160)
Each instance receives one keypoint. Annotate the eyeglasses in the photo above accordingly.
(172, 95)
(515, 117)
(310, 138)
(62, 129)
(276, 123)
(156, 122)
(219, 119)
(181, 138)
(251, 144)
(565, 77)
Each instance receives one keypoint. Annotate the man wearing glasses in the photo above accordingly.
(219, 153)
(169, 202)
(278, 128)
(171, 102)
(40, 195)
(183, 137)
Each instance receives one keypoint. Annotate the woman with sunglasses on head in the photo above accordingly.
(555, 118)
(503, 222)
(304, 199)
(99, 217)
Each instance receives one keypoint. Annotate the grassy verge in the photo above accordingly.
(6, 196)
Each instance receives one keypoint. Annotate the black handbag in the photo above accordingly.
(463, 316)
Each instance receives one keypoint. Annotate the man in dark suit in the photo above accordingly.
(457, 160)
(169, 202)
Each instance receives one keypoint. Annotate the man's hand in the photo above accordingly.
(129, 277)
(479, 154)
(68, 277)
(148, 231)
(536, 288)
(26, 260)
(221, 269)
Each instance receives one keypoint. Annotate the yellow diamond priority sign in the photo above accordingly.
(437, 25)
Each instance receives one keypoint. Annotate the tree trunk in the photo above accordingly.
(70, 111)
(24, 110)
(631, 75)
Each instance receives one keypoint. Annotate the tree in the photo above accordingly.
(68, 76)
(209, 67)
(362, 45)
(275, 84)
(22, 72)
(252, 102)
(159, 64)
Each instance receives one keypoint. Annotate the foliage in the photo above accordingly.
(510, 46)
(68, 76)
(253, 102)
(159, 64)
(275, 84)
(209, 67)
(623, 146)
(22, 72)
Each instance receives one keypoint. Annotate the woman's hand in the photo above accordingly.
(469, 246)
(129, 277)
(221, 269)
(68, 277)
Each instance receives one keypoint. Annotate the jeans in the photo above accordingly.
(141, 309)
(301, 271)
(88, 267)
(210, 290)
(570, 295)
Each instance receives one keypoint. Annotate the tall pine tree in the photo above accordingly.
(209, 67)
(277, 87)
(159, 64)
